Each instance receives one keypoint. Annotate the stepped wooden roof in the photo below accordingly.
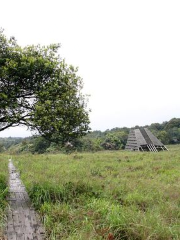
(143, 140)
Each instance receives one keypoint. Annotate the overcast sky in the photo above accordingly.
(128, 53)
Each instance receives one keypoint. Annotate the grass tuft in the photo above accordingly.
(3, 192)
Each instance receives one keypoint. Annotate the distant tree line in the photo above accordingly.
(114, 139)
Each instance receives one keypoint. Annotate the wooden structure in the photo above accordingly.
(143, 140)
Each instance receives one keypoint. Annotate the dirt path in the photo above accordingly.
(23, 222)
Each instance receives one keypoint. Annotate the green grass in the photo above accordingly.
(3, 191)
(105, 195)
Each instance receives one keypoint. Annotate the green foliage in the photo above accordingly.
(163, 137)
(174, 122)
(3, 191)
(174, 135)
(114, 139)
(40, 145)
(2, 148)
(88, 144)
(39, 90)
(6, 143)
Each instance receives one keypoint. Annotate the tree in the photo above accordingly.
(174, 122)
(174, 135)
(163, 137)
(39, 145)
(39, 90)
(112, 141)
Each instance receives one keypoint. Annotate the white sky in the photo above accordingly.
(127, 51)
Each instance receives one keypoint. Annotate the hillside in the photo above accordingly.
(114, 139)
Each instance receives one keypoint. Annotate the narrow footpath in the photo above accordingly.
(23, 222)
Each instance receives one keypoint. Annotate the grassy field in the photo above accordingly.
(105, 195)
(3, 191)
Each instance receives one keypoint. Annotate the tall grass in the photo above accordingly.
(106, 195)
(3, 191)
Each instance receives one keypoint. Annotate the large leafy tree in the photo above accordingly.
(39, 90)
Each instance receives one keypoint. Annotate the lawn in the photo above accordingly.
(106, 195)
